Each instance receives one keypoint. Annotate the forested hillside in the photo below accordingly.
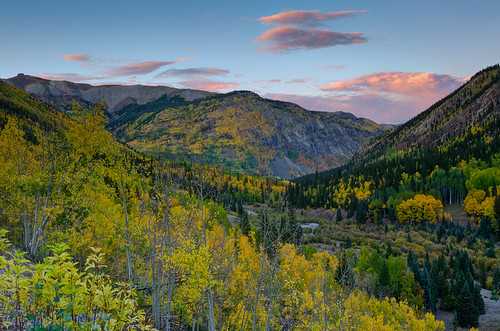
(401, 191)
(115, 240)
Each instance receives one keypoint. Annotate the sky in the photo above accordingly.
(383, 60)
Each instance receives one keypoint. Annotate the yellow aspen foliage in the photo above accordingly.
(477, 204)
(421, 207)
(363, 191)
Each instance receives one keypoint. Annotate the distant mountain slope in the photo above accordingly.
(475, 103)
(62, 93)
(244, 132)
(238, 131)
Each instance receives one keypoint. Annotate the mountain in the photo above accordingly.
(244, 132)
(473, 104)
(433, 153)
(237, 131)
(62, 93)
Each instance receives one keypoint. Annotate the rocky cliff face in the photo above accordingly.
(62, 93)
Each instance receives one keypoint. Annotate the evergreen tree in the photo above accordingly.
(496, 279)
(482, 274)
(466, 313)
(339, 215)
(245, 224)
(384, 281)
(426, 283)
(478, 300)
(348, 243)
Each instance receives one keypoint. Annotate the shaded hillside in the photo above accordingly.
(244, 132)
(29, 111)
(62, 93)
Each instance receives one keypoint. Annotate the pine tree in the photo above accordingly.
(339, 215)
(496, 279)
(245, 224)
(466, 313)
(482, 274)
(426, 283)
(478, 300)
(384, 280)
(348, 243)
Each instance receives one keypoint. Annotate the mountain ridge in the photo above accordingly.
(62, 93)
(238, 130)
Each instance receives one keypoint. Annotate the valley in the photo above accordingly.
(196, 213)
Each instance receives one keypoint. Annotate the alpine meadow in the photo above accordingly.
(217, 166)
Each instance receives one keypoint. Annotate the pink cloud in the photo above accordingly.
(385, 97)
(285, 39)
(396, 82)
(299, 80)
(335, 67)
(141, 68)
(71, 77)
(309, 18)
(208, 85)
(276, 80)
(190, 72)
(77, 57)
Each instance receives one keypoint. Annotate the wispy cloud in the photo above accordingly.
(77, 57)
(310, 18)
(276, 80)
(297, 31)
(141, 68)
(107, 69)
(335, 67)
(192, 72)
(86, 59)
(299, 80)
(71, 77)
(286, 39)
(208, 85)
(386, 97)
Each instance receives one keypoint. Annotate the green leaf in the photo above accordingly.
(13, 313)
(30, 317)
(39, 295)
(66, 318)
(39, 286)
(56, 299)
(69, 306)
(60, 312)
(105, 317)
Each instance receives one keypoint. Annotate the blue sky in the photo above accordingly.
(384, 60)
